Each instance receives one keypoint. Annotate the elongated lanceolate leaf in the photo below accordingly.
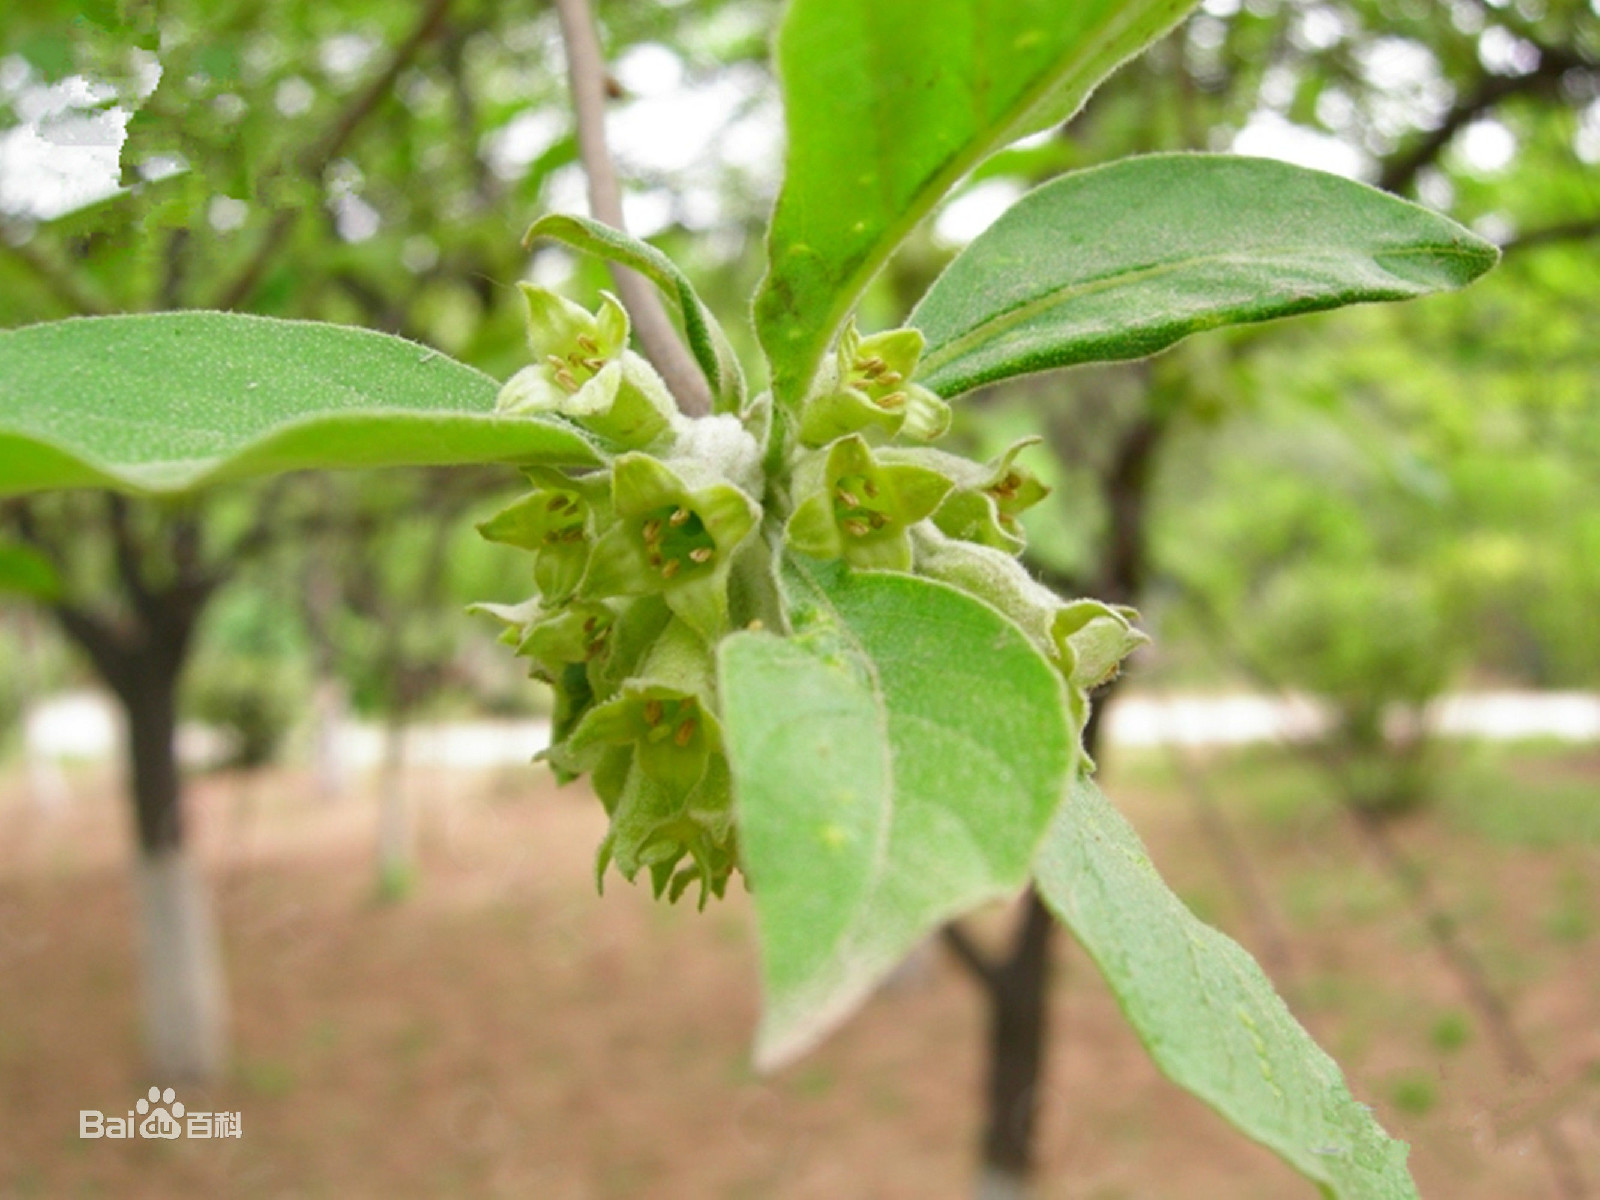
(889, 104)
(166, 402)
(895, 762)
(1123, 260)
(706, 340)
(1204, 1010)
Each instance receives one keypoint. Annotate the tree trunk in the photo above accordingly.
(185, 994)
(1019, 991)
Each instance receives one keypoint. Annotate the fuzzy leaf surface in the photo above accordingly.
(1123, 260)
(167, 402)
(1205, 1011)
(895, 763)
(888, 105)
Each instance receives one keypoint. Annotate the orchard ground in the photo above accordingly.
(502, 1031)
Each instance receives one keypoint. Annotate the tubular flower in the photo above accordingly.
(656, 752)
(855, 507)
(987, 500)
(675, 533)
(867, 389)
(557, 522)
(584, 371)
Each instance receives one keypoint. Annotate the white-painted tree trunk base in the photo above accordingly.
(397, 825)
(1001, 1185)
(330, 708)
(185, 995)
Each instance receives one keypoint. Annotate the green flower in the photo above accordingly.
(584, 371)
(656, 752)
(675, 532)
(1086, 639)
(557, 521)
(867, 389)
(858, 508)
(987, 500)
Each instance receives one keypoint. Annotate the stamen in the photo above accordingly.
(870, 488)
(701, 554)
(892, 401)
(857, 528)
(594, 364)
(878, 520)
(588, 343)
(565, 378)
(890, 378)
(652, 712)
(684, 732)
(848, 499)
(679, 516)
(556, 361)
(652, 530)
(671, 568)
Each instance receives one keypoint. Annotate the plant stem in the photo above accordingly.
(587, 75)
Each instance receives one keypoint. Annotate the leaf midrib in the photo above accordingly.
(1025, 311)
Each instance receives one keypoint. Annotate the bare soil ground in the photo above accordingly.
(504, 1032)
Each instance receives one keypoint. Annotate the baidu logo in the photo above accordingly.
(162, 1115)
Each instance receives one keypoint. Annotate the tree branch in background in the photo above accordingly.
(1400, 170)
(969, 956)
(330, 146)
(1565, 231)
(587, 75)
(60, 282)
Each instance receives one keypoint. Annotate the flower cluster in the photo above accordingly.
(644, 564)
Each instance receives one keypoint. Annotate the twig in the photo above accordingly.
(587, 76)
(328, 147)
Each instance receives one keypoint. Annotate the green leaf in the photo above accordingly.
(1204, 1010)
(26, 572)
(1123, 260)
(895, 763)
(706, 339)
(166, 402)
(888, 106)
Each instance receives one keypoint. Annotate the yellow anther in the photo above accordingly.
(848, 499)
(588, 343)
(652, 530)
(566, 379)
(701, 554)
(679, 516)
(857, 528)
(892, 401)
